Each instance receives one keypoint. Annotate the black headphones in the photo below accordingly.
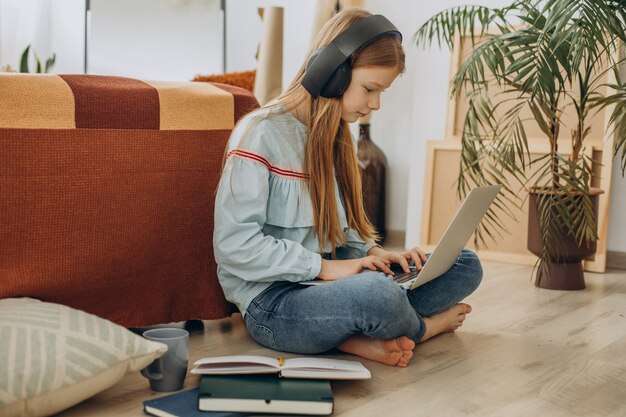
(329, 69)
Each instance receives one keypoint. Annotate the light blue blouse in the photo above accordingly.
(263, 213)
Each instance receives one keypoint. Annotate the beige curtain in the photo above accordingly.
(323, 12)
(269, 76)
(349, 4)
(325, 9)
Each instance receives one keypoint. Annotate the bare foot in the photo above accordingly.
(398, 351)
(446, 321)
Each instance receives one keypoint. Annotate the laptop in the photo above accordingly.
(451, 243)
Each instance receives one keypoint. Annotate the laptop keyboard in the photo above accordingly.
(401, 276)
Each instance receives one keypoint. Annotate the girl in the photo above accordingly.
(289, 209)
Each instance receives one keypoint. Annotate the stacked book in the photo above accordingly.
(238, 385)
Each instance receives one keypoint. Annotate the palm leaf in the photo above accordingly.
(50, 63)
(24, 60)
(472, 20)
(38, 65)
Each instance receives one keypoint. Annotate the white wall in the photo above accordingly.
(617, 226)
(50, 26)
(175, 39)
(23, 23)
(155, 39)
(67, 35)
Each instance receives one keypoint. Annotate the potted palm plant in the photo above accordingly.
(547, 57)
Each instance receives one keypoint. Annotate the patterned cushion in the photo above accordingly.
(53, 356)
(243, 79)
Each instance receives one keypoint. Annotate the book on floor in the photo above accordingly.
(181, 404)
(265, 393)
(309, 367)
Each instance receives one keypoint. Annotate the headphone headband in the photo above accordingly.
(363, 32)
(325, 62)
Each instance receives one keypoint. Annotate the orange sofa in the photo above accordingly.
(107, 188)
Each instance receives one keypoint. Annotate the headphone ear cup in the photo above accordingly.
(338, 82)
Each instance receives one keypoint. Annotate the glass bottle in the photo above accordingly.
(373, 165)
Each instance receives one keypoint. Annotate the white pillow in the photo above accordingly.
(53, 357)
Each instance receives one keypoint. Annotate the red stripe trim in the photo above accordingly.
(252, 156)
(269, 164)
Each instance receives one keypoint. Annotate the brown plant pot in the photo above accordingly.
(566, 272)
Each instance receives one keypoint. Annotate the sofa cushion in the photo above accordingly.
(53, 356)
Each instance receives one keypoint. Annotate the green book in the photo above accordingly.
(265, 394)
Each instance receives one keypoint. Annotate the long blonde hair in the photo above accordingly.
(329, 148)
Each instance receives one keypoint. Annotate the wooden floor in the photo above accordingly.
(522, 352)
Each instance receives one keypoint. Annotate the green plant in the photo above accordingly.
(24, 62)
(546, 56)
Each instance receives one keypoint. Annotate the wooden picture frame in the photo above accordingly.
(440, 204)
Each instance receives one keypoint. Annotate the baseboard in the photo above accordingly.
(616, 260)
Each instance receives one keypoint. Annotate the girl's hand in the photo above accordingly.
(402, 258)
(334, 270)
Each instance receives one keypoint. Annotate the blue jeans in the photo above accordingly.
(296, 318)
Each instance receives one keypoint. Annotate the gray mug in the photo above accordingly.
(168, 372)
